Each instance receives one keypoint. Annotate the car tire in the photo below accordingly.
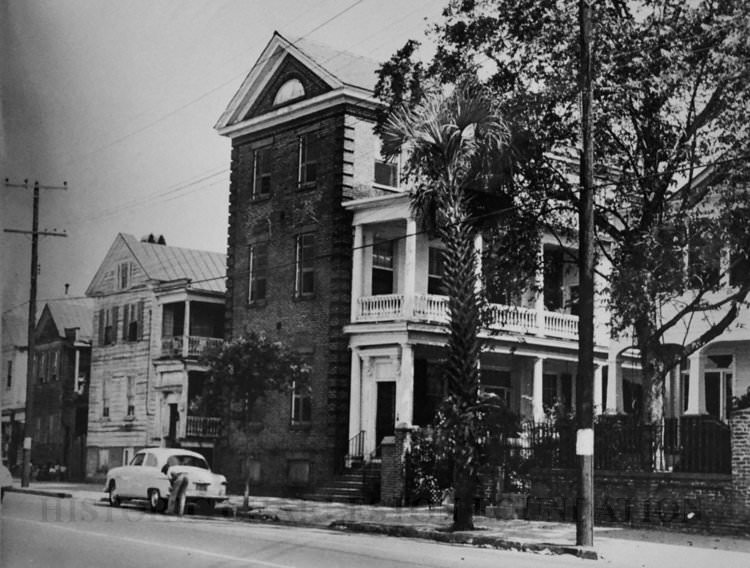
(156, 503)
(112, 497)
(206, 506)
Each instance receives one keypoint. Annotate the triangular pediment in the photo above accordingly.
(320, 70)
(104, 281)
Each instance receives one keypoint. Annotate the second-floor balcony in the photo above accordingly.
(434, 308)
(202, 427)
(174, 346)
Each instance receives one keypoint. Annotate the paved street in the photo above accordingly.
(43, 531)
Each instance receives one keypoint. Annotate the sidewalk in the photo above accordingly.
(423, 522)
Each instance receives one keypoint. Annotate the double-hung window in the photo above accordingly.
(305, 265)
(130, 396)
(387, 170)
(124, 270)
(258, 272)
(105, 399)
(382, 268)
(261, 172)
(435, 271)
(309, 155)
(301, 405)
(132, 324)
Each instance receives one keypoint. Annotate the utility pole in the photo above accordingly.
(35, 234)
(585, 382)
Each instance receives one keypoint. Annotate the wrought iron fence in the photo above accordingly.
(695, 444)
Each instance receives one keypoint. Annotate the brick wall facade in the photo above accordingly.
(313, 324)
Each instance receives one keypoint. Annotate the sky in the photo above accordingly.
(119, 100)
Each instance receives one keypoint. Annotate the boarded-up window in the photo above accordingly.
(299, 472)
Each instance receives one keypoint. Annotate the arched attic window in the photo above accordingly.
(289, 91)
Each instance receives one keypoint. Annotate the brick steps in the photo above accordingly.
(354, 486)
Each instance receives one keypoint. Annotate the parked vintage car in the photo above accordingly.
(148, 476)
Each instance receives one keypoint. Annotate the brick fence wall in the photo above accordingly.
(710, 502)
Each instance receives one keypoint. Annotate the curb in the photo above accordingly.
(42, 492)
(463, 538)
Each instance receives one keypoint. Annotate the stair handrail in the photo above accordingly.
(357, 445)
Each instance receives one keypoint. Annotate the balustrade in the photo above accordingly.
(434, 308)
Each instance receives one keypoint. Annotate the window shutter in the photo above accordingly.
(125, 314)
(101, 327)
(114, 324)
(140, 320)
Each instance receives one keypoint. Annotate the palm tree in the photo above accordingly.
(452, 139)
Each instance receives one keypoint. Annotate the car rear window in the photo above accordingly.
(191, 461)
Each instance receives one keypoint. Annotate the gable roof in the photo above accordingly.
(340, 70)
(71, 313)
(161, 263)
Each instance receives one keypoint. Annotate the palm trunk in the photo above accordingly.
(461, 369)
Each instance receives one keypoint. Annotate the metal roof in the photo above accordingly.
(71, 313)
(206, 270)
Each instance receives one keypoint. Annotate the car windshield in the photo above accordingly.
(192, 461)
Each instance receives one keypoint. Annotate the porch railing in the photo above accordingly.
(202, 427)
(691, 444)
(434, 308)
(195, 346)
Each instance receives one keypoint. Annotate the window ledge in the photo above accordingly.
(304, 297)
(129, 418)
(257, 303)
(300, 426)
(302, 185)
(260, 198)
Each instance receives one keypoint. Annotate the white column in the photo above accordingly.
(537, 402)
(77, 368)
(410, 266)
(539, 285)
(357, 269)
(405, 387)
(614, 385)
(597, 389)
(355, 394)
(368, 399)
(696, 387)
(186, 330)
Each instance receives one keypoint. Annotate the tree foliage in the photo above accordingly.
(672, 147)
(452, 139)
(246, 369)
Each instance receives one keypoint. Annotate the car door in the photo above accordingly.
(151, 474)
(129, 476)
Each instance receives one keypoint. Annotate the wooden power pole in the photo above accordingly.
(585, 382)
(35, 234)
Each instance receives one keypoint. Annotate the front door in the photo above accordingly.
(174, 420)
(385, 417)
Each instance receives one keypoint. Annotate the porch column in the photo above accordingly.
(597, 389)
(537, 402)
(186, 330)
(410, 267)
(696, 387)
(355, 396)
(357, 269)
(539, 285)
(77, 368)
(614, 385)
(405, 387)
